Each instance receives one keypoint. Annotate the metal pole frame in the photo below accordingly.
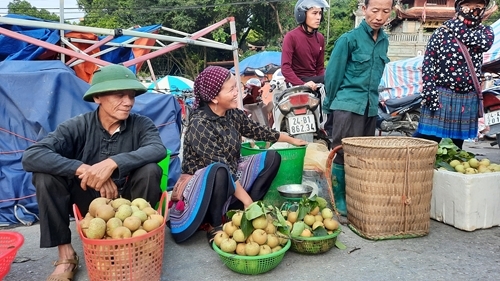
(189, 39)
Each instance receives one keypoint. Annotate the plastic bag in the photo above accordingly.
(316, 156)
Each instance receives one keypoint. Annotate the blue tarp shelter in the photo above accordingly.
(38, 95)
(266, 61)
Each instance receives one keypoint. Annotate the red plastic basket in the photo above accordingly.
(137, 258)
(10, 242)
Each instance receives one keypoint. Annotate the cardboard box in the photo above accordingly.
(467, 202)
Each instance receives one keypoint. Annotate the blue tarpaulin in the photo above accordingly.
(36, 96)
(266, 61)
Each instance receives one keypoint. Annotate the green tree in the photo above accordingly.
(24, 8)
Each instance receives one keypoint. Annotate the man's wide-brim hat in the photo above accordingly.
(111, 78)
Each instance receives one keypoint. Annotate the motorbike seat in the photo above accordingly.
(402, 102)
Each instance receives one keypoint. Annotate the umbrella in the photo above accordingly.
(264, 61)
(173, 84)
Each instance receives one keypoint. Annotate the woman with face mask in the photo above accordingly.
(450, 108)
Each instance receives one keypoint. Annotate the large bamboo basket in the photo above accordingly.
(389, 185)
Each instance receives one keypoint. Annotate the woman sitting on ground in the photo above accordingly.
(214, 177)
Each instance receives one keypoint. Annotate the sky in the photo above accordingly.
(71, 11)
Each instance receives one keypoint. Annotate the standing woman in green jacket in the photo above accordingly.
(352, 78)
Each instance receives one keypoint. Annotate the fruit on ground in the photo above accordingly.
(96, 229)
(259, 236)
(260, 222)
(228, 245)
(252, 249)
(121, 232)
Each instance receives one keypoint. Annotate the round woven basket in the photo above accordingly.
(315, 245)
(388, 185)
(252, 265)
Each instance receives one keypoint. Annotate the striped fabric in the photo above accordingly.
(456, 119)
(198, 192)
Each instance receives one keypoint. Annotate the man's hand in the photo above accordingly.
(109, 190)
(97, 175)
(311, 85)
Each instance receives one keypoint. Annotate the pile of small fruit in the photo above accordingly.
(310, 218)
(449, 157)
(119, 218)
(474, 166)
(252, 232)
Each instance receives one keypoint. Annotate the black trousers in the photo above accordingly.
(56, 196)
(348, 124)
(221, 192)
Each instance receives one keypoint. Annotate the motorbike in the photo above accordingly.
(252, 99)
(297, 110)
(491, 103)
(399, 114)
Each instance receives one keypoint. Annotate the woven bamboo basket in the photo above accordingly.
(388, 185)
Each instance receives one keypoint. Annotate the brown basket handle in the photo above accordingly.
(328, 176)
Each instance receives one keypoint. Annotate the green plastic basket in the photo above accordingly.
(252, 265)
(314, 245)
(164, 164)
(290, 171)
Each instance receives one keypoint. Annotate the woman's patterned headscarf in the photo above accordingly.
(208, 84)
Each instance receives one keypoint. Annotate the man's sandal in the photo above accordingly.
(68, 275)
(211, 234)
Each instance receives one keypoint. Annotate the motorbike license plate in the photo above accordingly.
(301, 124)
(492, 118)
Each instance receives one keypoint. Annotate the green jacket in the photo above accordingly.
(354, 71)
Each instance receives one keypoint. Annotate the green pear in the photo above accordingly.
(96, 229)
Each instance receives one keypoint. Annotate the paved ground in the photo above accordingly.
(446, 253)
